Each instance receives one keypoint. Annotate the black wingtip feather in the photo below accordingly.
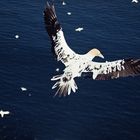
(52, 24)
(134, 65)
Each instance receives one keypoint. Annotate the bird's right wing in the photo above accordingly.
(115, 69)
(6, 112)
(54, 29)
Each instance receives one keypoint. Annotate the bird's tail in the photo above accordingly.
(52, 24)
(65, 85)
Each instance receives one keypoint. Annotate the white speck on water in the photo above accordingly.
(79, 29)
(136, 1)
(57, 69)
(23, 89)
(16, 36)
(30, 94)
(63, 3)
(2, 113)
(69, 13)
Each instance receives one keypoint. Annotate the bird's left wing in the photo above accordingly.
(114, 69)
(54, 29)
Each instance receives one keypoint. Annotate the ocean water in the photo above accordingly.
(99, 110)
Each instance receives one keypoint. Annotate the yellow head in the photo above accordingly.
(95, 52)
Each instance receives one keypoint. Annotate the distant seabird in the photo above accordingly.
(57, 69)
(23, 89)
(69, 13)
(16, 36)
(77, 64)
(63, 3)
(79, 29)
(2, 113)
(136, 1)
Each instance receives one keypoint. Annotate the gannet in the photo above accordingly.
(2, 113)
(136, 1)
(63, 3)
(79, 29)
(77, 64)
(57, 69)
(23, 89)
(16, 36)
(69, 13)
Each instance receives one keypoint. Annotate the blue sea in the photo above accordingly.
(99, 110)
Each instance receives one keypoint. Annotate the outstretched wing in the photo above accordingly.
(6, 112)
(115, 69)
(54, 29)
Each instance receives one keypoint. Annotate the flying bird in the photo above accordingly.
(77, 64)
(23, 89)
(63, 3)
(2, 113)
(136, 1)
(79, 29)
(69, 13)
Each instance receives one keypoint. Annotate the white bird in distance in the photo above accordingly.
(77, 64)
(79, 29)
(2, 113)
(136, 1)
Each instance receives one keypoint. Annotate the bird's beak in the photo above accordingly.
(101, 56)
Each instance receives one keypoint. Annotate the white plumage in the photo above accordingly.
(2, 113)
(77, 64)
(79, 29)
(136, 1)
